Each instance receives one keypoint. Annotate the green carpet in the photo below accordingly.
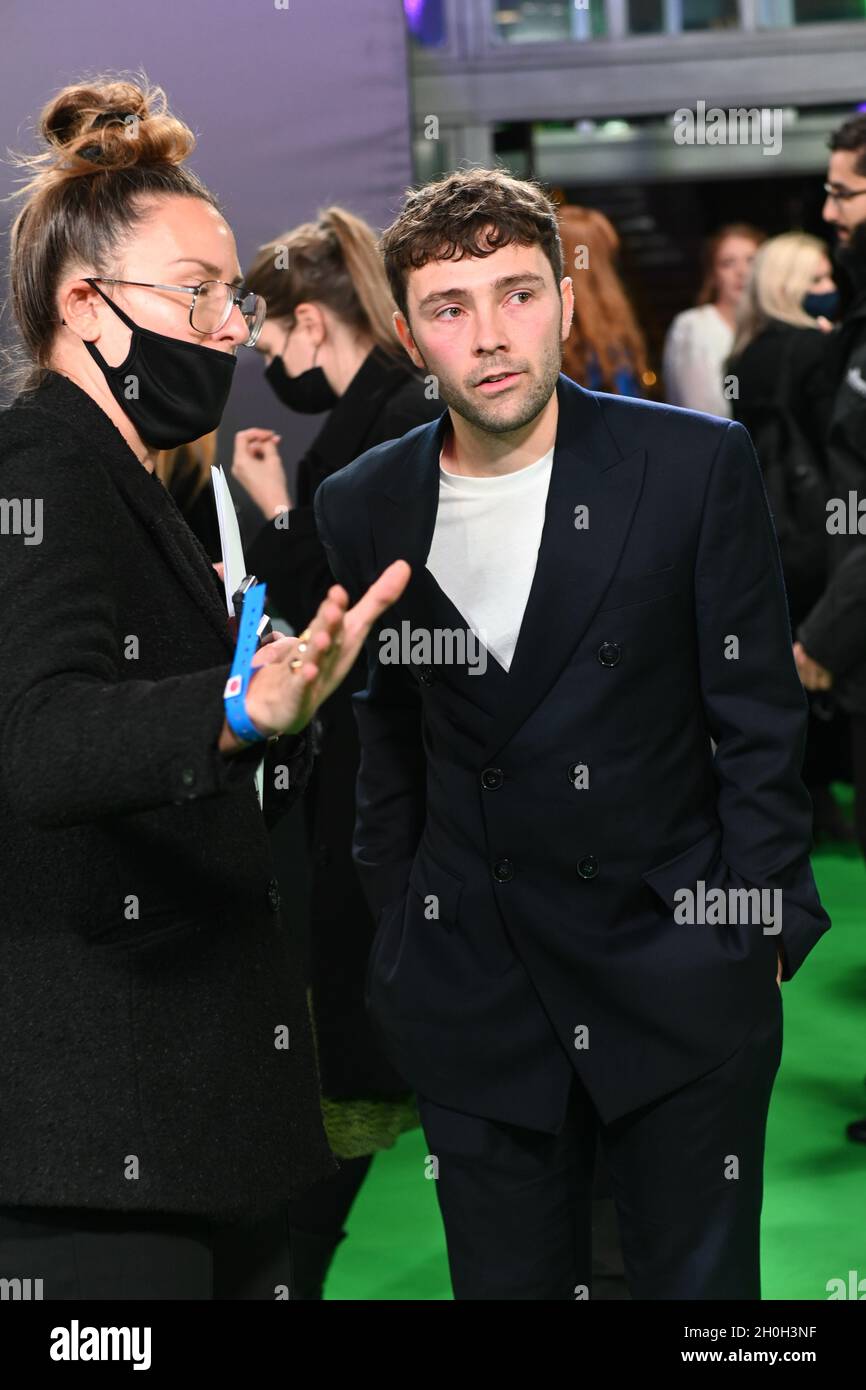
(814, 1222)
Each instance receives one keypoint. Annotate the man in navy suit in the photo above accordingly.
(588, 853)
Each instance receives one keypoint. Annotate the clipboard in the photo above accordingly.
(235, 578)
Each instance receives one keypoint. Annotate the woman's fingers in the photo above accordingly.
(381, 594)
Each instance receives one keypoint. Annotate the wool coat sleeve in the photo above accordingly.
(79, 738)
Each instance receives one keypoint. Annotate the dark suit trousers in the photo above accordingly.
(687, 1178)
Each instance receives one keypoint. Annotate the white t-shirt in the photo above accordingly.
(485, 548)
(693, 363)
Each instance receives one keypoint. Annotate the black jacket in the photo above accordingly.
(145, 967)
(384, 399)
(785, 400)
(834, 632)
(514, 909)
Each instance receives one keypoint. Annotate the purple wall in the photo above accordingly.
(293, 108)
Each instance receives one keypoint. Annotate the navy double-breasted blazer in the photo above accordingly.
(527, 920)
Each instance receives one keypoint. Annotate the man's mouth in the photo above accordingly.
(497, 381)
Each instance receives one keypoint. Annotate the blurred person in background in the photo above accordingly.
(606, 349)
(699, 341)
(330, 346)
(830, 649)
(784, 396)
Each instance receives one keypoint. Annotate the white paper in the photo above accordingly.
(234, 568)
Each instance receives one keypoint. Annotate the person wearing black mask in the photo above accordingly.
(159, 1098)
(330, 345)
(784, 397)
(831, 641)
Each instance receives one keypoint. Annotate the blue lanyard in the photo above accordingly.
(239, 678)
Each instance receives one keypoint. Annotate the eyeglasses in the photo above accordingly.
(842, 195)
(211, 306)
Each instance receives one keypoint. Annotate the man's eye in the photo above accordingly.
(449, 308)
(527, 293)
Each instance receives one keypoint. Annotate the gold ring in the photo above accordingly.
(305, 635)
(295, 664)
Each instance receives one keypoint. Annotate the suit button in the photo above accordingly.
(491, 778)
(426, 676)
(187, 776)
(609, 653)
(503, 870)
(588, 866)
(274, 895)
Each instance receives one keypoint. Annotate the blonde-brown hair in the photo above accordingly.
(112, 145)
(604, 329)
(333, 261)
(781, 275)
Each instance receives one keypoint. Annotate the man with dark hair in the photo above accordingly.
(559, 864)
(831, 642)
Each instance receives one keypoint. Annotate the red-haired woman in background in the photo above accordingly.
(700, 340)
(605, 350)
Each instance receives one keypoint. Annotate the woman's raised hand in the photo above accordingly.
(293, 675)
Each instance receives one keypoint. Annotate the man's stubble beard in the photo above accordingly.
(492, 419)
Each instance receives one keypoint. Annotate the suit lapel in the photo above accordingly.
(574, 568)
(575, 564)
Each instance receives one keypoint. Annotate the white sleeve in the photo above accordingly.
(692, 374)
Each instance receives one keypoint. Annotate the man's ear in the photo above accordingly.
(404, 333)
(566, 289)
(77, 305)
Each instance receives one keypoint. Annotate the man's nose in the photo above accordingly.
(490, 334)
(828, 211)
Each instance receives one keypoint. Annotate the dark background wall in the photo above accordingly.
(293, 108)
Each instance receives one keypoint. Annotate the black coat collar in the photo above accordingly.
(342, 437)
(75, 417)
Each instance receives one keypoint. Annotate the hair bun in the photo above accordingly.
(110, 124)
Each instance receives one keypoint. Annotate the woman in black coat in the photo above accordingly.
(330, 343)
(158, 1090)
(784, 398)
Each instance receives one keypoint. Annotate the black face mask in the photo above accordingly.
(309, 393)
(179, 389)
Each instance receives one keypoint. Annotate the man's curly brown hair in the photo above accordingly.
(468, 213)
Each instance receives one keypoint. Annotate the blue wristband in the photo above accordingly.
(238, 682)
